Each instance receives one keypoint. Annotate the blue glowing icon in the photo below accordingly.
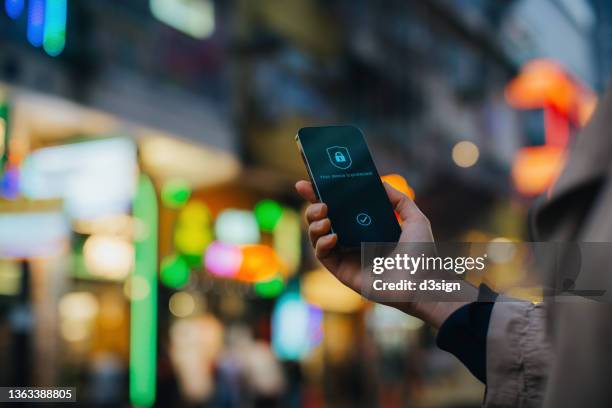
(339, 157)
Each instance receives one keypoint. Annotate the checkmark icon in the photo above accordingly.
(364, 219)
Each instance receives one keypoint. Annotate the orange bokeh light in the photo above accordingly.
(540, 83)
(545, 84)
(536, 168)
(399, 183)
(259, 263)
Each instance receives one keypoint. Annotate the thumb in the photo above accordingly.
(403, 205)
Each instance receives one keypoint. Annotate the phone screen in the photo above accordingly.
(345, 178)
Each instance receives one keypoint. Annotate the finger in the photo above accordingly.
(305, 189)
(325, 245)
(317, 229)
(405, 207)
(316, 212)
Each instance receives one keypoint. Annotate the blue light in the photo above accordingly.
(14, 8)
(55, 27)
(296, 327)
(36, 22)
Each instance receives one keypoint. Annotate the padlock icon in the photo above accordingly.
(339, 157)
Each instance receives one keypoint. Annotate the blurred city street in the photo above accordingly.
(153, 249)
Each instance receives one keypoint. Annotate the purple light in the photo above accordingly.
(9, 184)
(315, 328)
(223, 259)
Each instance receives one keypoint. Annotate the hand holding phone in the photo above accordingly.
(345, 178)
(346, 266)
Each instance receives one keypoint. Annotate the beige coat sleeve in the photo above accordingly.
(518, 355)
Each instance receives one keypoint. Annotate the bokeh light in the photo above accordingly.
(195, 344)
(536, 168)
(10, 278)
(237, 227)
(223, 259)
(174, 271)
(54, 39)
(77, 311)
(399, 183)
(78, 306)
(259, 262)
(14, 8)
(267, 214)
(320, 288)
(36, 21)
(269, 288)
(108, 256)
(136, 288)
(465, 154)
(295, 327)
(287, 239)
(193, 231)
(182, 304)
(175, 193)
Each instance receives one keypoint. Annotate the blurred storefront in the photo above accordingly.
(152, 250)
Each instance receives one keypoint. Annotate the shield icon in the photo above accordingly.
(339, 156)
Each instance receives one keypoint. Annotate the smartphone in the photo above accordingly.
(345, 178)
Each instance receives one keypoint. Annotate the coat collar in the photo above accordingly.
(589, 161)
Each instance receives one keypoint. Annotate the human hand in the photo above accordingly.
(346, 267)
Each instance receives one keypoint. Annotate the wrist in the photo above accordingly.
(435, 313)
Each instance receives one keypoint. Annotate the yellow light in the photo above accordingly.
(322, 289)
(287, 240)
(10, 278)
(195, 212)
(119, 224)
(74, 330)
(112, 310)
(166, 158)
(77, 311)
(109, 257)
(182, 304)
(136, 288)
(78, 306)
(501, 250)
(193, 231)
(465, 154)
(192, 240)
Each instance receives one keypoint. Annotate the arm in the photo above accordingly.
(504, 345)
(518, 355)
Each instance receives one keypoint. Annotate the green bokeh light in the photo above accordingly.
(175, 193)
(269, 289)
(267, 214)
(174, 272)
(143, 321)
(55, 27)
